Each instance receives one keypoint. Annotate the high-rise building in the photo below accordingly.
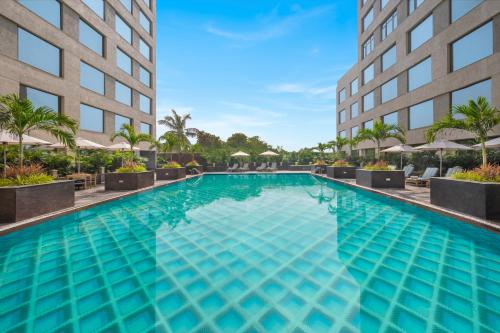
(416, 59)
(93, 60)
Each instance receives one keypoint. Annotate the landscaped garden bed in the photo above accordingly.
(129, 178)
(379, 175)
(170, 171)
(341, 170)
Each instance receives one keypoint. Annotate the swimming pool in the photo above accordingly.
(251, 253)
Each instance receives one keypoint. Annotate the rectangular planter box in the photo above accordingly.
(341, 172)
(24, 202)
(129, 181)
(473, 198)
(170, 173)
(380, 179)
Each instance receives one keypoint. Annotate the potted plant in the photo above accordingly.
(474, 192)
(380, 175)
(341, 169)
(170, 170)
(27, 191)
(193, 165)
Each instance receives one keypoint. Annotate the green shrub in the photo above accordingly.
(193, 163)
(131, 167)
(171, 165)
(488, 173)
(35, 179)
(378, 166)
(341, 163)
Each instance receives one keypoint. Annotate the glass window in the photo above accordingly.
(91, 119)
(123, 29)
(354, 110)
(461, 7)
(413, 4)
(145, 76)
(342, 117)
(473, 47)
(383, 3)
(145, 49)
(368, 124)
(342, 95)
(91, 78)
(354, 131)
(123, 94)
(144, 104)
(368, 19)
(38, 53)
(97, 6)
(368, 46)
(390, 90)
(368, 101)
(145, 22)
(420, 74)
(123, 61)
(354, 86)
(91, 38)
(49, 10)
(342, 134)
(421, 115)
(120, 121)
(391, 118)
(421, 33)
(127, 4)
(368, 73)
(41, 98)
(463, 96)
(389, 58)
(389, 25)
(148, 3)
(145, 128)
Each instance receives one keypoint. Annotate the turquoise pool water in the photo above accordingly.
(252, 253)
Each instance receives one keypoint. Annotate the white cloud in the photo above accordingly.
(326, 92)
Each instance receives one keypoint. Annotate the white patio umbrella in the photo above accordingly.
(82, 143)
(269, 154)
(122, 146)
(401, 148)
(494, 143)
(442, 145)
(240, 154)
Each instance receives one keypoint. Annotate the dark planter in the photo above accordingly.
(472, 198)
(341, 172)
(24, 202)
(170, 173)
(380, 179)
(190, 169)
(129, 181)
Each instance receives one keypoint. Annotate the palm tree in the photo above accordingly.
(19, 117)
(177, 125)
(166, 143)
(381, 132)
(339, 143)
(353, 142)
(477, 118)
(128, 133)
(321, 147)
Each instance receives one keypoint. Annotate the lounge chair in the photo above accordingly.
(244, 168)
(273, 167)
(408, 169)
(233, 168)
(451, 171)
(262, 167)
(423, 180)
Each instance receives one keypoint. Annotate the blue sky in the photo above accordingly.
(261, 67)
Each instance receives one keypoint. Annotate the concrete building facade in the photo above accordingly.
(416, 59)
(93, 60)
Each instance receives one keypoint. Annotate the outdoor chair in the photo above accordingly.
(408, 169)
(262, 167)
(423, 180)
(273, 167)
(451, 171)
(244, 168)
(233, 168)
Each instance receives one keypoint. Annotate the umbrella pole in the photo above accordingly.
(78, 158)
(4, 160)
(401, 161)
(440, 162)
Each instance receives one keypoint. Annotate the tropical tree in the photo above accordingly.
(353, 142)
(129, 134)
(167, 143)
(321, 147)
(381, 132)
(477, 118)
(339, 143)
(176, 124)
(18, 116)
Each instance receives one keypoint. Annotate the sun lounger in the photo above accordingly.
(273, 167)
(424, 180)
(233, 168)
(262, 167)
(408, 169)
(451, 171)
(244, 168)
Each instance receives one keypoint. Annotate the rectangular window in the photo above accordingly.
(144, 104)
(342, 134)
(145, 22)
(354, 110)
(420, 74)
(390, 119)
(389, 58)
(91, 38)
(461, 7)
(145, 128)
(368, 46)
(145, 49)
(354, 86)
(147, 2)
(127, 4)
(342, 117)
(421, 115)
(123, 29)
(120, 121)
(421, 33)
(383, 3)
(354, 131)
(368, 124)
(41, 98)
(38, 53)
(145, 76)
(368, 19)
(463, 96)
(123, 61)
(413, 4)
(389, 90)
(368, 73)
(342, 95)
(49, 10)
(473, 47)
(91, 119)
(123, 94)
(91, 78)
(97, 6)
(389, 25)
(368, 101)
